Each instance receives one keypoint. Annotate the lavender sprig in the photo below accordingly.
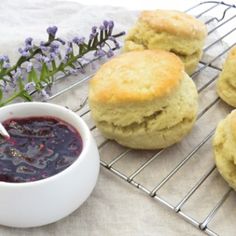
(39, 65)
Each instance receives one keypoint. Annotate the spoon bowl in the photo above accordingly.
(4, 132)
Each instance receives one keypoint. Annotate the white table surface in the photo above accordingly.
(119, 213)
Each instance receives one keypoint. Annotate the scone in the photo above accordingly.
(226, 83)
(173, 31)
(224, 146)
(143, 99)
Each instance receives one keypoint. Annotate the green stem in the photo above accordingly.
(10, 99)
(49, 76)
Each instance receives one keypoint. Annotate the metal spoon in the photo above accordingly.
(3, 131)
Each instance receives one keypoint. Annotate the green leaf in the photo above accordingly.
(26, 96)
(30, 79)
(21, 84)
(82, 49)
(44, 73)
(34, 76)
(54, 66)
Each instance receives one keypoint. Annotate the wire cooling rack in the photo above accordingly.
(205, 200)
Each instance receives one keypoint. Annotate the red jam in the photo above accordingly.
(39, 147)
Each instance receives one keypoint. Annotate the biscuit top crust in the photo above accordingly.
(136, 76)
(233, 123)
(232, 54)
(174, 22)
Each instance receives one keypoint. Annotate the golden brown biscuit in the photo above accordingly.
(143, 99)
(226, 84)
(224, 146)
(173, 31)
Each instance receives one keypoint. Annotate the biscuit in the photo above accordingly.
(143, 99)
(173, 31)
(226, 83)
(224, 146)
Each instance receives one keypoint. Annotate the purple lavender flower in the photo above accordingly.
(46, 60)
(13, 83)
(42, 43)
(54, 45)
(42, 46)
(112, 38)
(100, 53)
(101, 27)
(91, 36)
(110, 53)
(54, 48)
(69, 50)
(105, 23)
(5, 89)
(64, 61)
(94, 29)
(28, 41)
(78, 40)
(29, 67)
(14, 77)
(52, 56)
(52, 30)
(117, 45)
(4, 86)
(75, 40)
(28, 47)
(24, 77)
(45, 95)
(69, 43)
(39, 57)
(50, 52)
(16, 74)
(6, 65)
(24, 52)
(7, 58)
(110, 25)
(4, 58)
(30, 87)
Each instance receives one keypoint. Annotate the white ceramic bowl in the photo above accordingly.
(50, 199)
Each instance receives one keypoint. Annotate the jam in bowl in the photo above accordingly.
(48, 167)
(39, 147)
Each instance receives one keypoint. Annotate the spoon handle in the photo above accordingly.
(3, 131)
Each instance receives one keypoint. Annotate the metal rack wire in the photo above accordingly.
(223, 17)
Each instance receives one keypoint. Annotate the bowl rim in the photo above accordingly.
(85, 145)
